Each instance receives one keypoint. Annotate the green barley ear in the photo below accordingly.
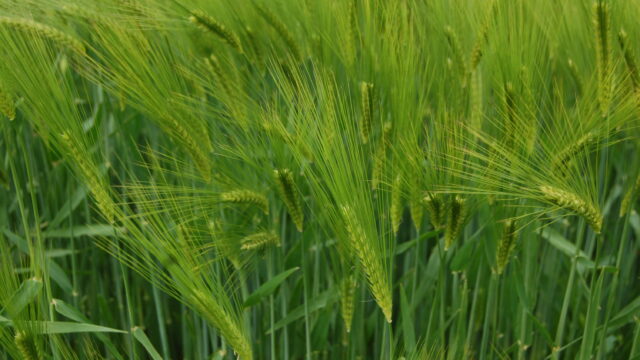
(370, 261)
(260, 241)
(213, 65)
(397, 205)
(476, 52)
(207, 23)
(35, 28)
(194, 148)
(246, 197)
(230, 327)
(7, 105)
(282, 30)
(630, 61)
(435, 207)
(416, 209)
(28, 346)
(570, 201)
(90, 173)
(290, 196)
(510, 109)
(506, 245)
(456, 48)
(380, 156)
(603, 54)
(455, 221)
(560, 160)
(366, 96)
(476, 101)
(575, 75)
(351, 36)
(348, 287)
(630, 195)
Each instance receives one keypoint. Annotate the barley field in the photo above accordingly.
(299, 179)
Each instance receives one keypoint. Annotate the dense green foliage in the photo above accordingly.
(290, 179)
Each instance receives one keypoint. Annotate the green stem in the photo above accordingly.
(569, 290)
(489, 315)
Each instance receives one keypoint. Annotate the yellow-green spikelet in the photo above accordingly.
(208, 23)
(601, 24)
(573, 202)
(564, 156)
(348, 287)
(27, 346)
(90, 173)
(435, 207)
(282, 30)
(243, 196)
(416, 209)
(259, 241)
(7, 105)
(29, 26)
(370, 261)
(366, 95)
(455, 220)
(506, 245)
(380, 156)
(229, 325)
(629, 197)
(456, 48)
(631, 63)
(290, 196)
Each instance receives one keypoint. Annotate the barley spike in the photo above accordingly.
(46, 31)
(246, 197)
(370, 261)
(505, 245)
(206, 22)
(290, 196)
(573, 202)
(366, 94)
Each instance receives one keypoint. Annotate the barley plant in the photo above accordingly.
(355, 179)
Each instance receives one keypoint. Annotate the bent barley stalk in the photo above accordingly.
(571, 201)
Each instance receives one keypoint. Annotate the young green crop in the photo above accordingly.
(363, 179)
